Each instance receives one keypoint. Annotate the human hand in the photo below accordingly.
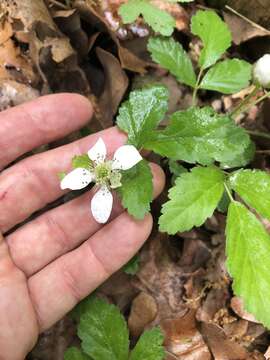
(52, 262)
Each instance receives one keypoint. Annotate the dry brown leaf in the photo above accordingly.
(238, 307)
(116, 83)
(182, 338)
(221, 347)
(143, 312)
(241, 29)
(13, 93)
(50, 50)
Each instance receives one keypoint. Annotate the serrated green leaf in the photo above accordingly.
(214, 33)
(203, 136)
(192, 200)
(132, 267)
(137, 189)
(160, 21)
(248, 261)
(227, 77)
(81, 161)
(74, 353)
(142, 113)
(171, 56)
(254, 188)
(103, 331)
(149, 346)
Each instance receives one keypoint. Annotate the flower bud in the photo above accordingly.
(261, 71)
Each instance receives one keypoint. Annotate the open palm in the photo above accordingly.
(52, 262)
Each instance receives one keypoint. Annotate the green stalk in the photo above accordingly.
(228, 192)
(194, 96)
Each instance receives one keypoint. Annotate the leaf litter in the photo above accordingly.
(182, 284)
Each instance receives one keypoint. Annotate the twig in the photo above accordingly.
(247, 19)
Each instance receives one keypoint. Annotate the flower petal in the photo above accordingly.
(98, 152)
(101, 205)
(77, 179)
(125, 157)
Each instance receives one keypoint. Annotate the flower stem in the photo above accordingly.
(235, 112)
(228, 192)
(196, 88)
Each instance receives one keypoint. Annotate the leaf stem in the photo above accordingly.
(235, 112)
(196, 88)
(228, 192)
(258, 133)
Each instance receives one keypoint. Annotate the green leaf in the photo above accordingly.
(254, 188)
(176, 168)
(248, 261)
(132, 267)
(215, 35)
(81, 161)
(171, 56)
(74, 353)
(142, 113)
(203, 136)
(192, 200)
(137, 189)
(149, 346)
(228, 77)
(103, 332)
(160, 21)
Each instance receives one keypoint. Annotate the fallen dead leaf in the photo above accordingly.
(238, 307)
(221, 347)
(116, 83)
(143, 312)
(243, 30)
(183, 340)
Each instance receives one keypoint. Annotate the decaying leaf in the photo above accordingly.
(143, 311)
(116, 83)
(183, 339)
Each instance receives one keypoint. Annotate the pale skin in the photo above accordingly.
(52, 262)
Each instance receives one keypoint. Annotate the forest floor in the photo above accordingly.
(182, 284)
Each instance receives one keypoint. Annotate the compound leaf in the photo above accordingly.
(203, 136)
(149, 346)
(254, 188)
(171, 56)
(142, 113)
(248, 261)
(103, 331)
(137, 189)
(192, 200)
(214, 33)
(227, 77)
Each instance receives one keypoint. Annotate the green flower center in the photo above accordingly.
(103, 172)
(104, 175)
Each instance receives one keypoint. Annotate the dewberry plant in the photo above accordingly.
(218, 150)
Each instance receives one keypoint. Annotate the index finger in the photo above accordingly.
(39, 122)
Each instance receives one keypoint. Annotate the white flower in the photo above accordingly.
(261, 71)
(105, 173)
